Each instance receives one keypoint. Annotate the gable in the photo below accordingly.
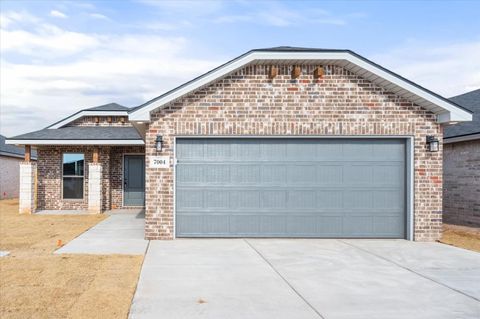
(446, 111)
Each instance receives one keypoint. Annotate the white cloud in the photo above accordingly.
(47, 41)
(58, 14)
(9, 18)
(88, 70)
(100, 16)
(277, 15)
(448, 69)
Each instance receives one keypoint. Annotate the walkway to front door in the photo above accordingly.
(134, 180)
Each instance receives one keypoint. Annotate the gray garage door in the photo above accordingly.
(290, 188)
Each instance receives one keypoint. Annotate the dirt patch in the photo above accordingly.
(34, 283)
(461, 236)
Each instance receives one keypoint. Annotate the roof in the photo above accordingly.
(12, 150)
(110, 109)
(445, 109)
(470, 100)
(101, 135)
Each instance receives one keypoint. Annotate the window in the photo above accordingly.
(73, 165)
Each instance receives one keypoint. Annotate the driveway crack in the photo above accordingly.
(284, 279)
(409, 269)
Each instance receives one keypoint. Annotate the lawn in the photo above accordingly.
(460, 236)
(34, 283)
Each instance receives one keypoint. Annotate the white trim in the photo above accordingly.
(85, 165)
(454, 113)
(80, 114)
(174, 187)
(409, 170)
(465, 138)
(7, 154)
(75, 142)
(410, 187)
(123, 177)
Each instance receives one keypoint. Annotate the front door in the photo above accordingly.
(134, 180)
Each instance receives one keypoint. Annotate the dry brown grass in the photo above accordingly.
(34, 283)
(461, 236)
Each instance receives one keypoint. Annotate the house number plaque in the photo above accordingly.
(160, 162)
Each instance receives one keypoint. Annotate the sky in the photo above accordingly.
(57, 57)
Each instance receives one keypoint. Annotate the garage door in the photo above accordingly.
(290, 188)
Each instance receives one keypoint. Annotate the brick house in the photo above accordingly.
(10, 158)
(461, 162)
(280, 142)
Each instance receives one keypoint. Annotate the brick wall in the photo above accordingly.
(248, 103)
(50, 176)
(461, 192)
(118, 121)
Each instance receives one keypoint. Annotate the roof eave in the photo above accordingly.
(73, 142)
(461, 138)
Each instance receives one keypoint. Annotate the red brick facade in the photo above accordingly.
(248, 103)
(117, 121)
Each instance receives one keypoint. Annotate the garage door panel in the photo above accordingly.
(245, 174)
(388, 175)
(301, 200)
(387, 225)
(217, 199)
(274, 199)
(330, 199)
(389, 200)
(273, 174)
(245, 200)
(330, 175)
(290, 188)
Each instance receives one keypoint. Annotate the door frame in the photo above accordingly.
(123, 177)
(409, 168)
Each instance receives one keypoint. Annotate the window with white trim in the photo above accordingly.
(73, 175)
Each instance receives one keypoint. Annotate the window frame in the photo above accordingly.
(74, 176)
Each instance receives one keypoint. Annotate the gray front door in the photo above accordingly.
(281, 187)
(134, 180)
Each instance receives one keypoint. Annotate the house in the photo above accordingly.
(279, 142)
(461, 162)
(10, 157)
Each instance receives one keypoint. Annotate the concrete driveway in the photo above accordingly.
(307, 278)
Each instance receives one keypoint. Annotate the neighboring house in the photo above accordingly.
(461, 166)
(10, 157)
(280, 142)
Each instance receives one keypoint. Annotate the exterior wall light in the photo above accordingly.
(158, 143)
(433, 144)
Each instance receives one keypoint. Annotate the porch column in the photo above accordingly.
(28, 175)
(95, 184)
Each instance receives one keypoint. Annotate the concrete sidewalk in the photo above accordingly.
(307, 278)
(118, 234)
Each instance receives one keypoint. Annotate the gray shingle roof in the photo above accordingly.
(471, 101)
(108, 107)
(82, 133)
(12, 150)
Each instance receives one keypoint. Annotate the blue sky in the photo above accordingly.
(60, 56)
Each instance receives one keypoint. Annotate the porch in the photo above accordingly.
(84, 179)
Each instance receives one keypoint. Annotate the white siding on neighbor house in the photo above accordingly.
(9, 176)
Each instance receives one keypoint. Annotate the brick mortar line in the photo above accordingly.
(410, 270)
(285, 280)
